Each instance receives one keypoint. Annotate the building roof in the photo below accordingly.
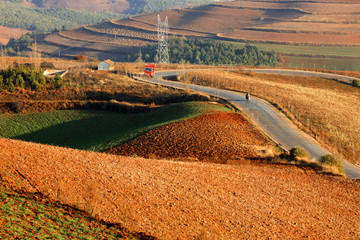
(108, 61)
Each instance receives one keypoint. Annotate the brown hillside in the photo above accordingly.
(177, 200)
(219, 138)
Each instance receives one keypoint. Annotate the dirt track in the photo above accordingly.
(219, 138)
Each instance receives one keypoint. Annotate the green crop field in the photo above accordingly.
(95, 130)
(343, 51)
(339, 64)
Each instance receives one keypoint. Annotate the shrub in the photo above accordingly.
(17, 107)
(80, 58)
(298, 152)
(58, 80)
(331, 160)
(11, 87)
(356, 83)
(35, 86)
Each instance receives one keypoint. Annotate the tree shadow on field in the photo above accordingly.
(74, 134)
(104, 130)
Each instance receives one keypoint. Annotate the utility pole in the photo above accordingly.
(162, 33)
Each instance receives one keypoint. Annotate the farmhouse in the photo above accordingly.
(106, 65)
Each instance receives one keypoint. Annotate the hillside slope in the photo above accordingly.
(218, 138)
(172, 200)
(33, 216)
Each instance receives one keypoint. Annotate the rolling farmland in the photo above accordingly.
(189, 200)
(71, 128)
(329, 29)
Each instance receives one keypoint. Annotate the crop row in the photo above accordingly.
(119, 32)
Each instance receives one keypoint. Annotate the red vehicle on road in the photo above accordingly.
(149, 70)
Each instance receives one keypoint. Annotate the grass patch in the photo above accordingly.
(96, 130)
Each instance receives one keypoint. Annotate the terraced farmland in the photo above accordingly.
(286, 23)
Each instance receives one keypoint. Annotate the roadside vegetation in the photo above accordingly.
(327, 164)
(324, 108)
(96, 130)
(32, 215)
(298, 152)
(330, 161)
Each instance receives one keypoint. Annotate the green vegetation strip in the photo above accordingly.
(334, 51)
(96, 130)
(343, 58)
(32, 216)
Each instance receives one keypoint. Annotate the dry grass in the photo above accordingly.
(328, 110)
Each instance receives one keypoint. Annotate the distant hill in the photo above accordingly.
(14, 15)
(49, 15)
(113, 6)
(120, 6)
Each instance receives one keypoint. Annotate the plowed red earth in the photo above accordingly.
(187, 200)
(219, 138)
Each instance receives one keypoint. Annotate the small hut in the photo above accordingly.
(106, 65)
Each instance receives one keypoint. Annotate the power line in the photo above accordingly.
(163, 31)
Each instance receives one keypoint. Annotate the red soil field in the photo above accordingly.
(187, 200)
(209, 19)
(219, 138)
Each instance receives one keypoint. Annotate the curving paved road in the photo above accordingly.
(265, 116)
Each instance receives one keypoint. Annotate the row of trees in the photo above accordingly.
(16, 46)
(198, 51)
(27, 78)
(46, 20)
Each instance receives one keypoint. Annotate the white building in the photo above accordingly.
(106, 65)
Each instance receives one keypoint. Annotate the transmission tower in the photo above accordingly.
(163, 31)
